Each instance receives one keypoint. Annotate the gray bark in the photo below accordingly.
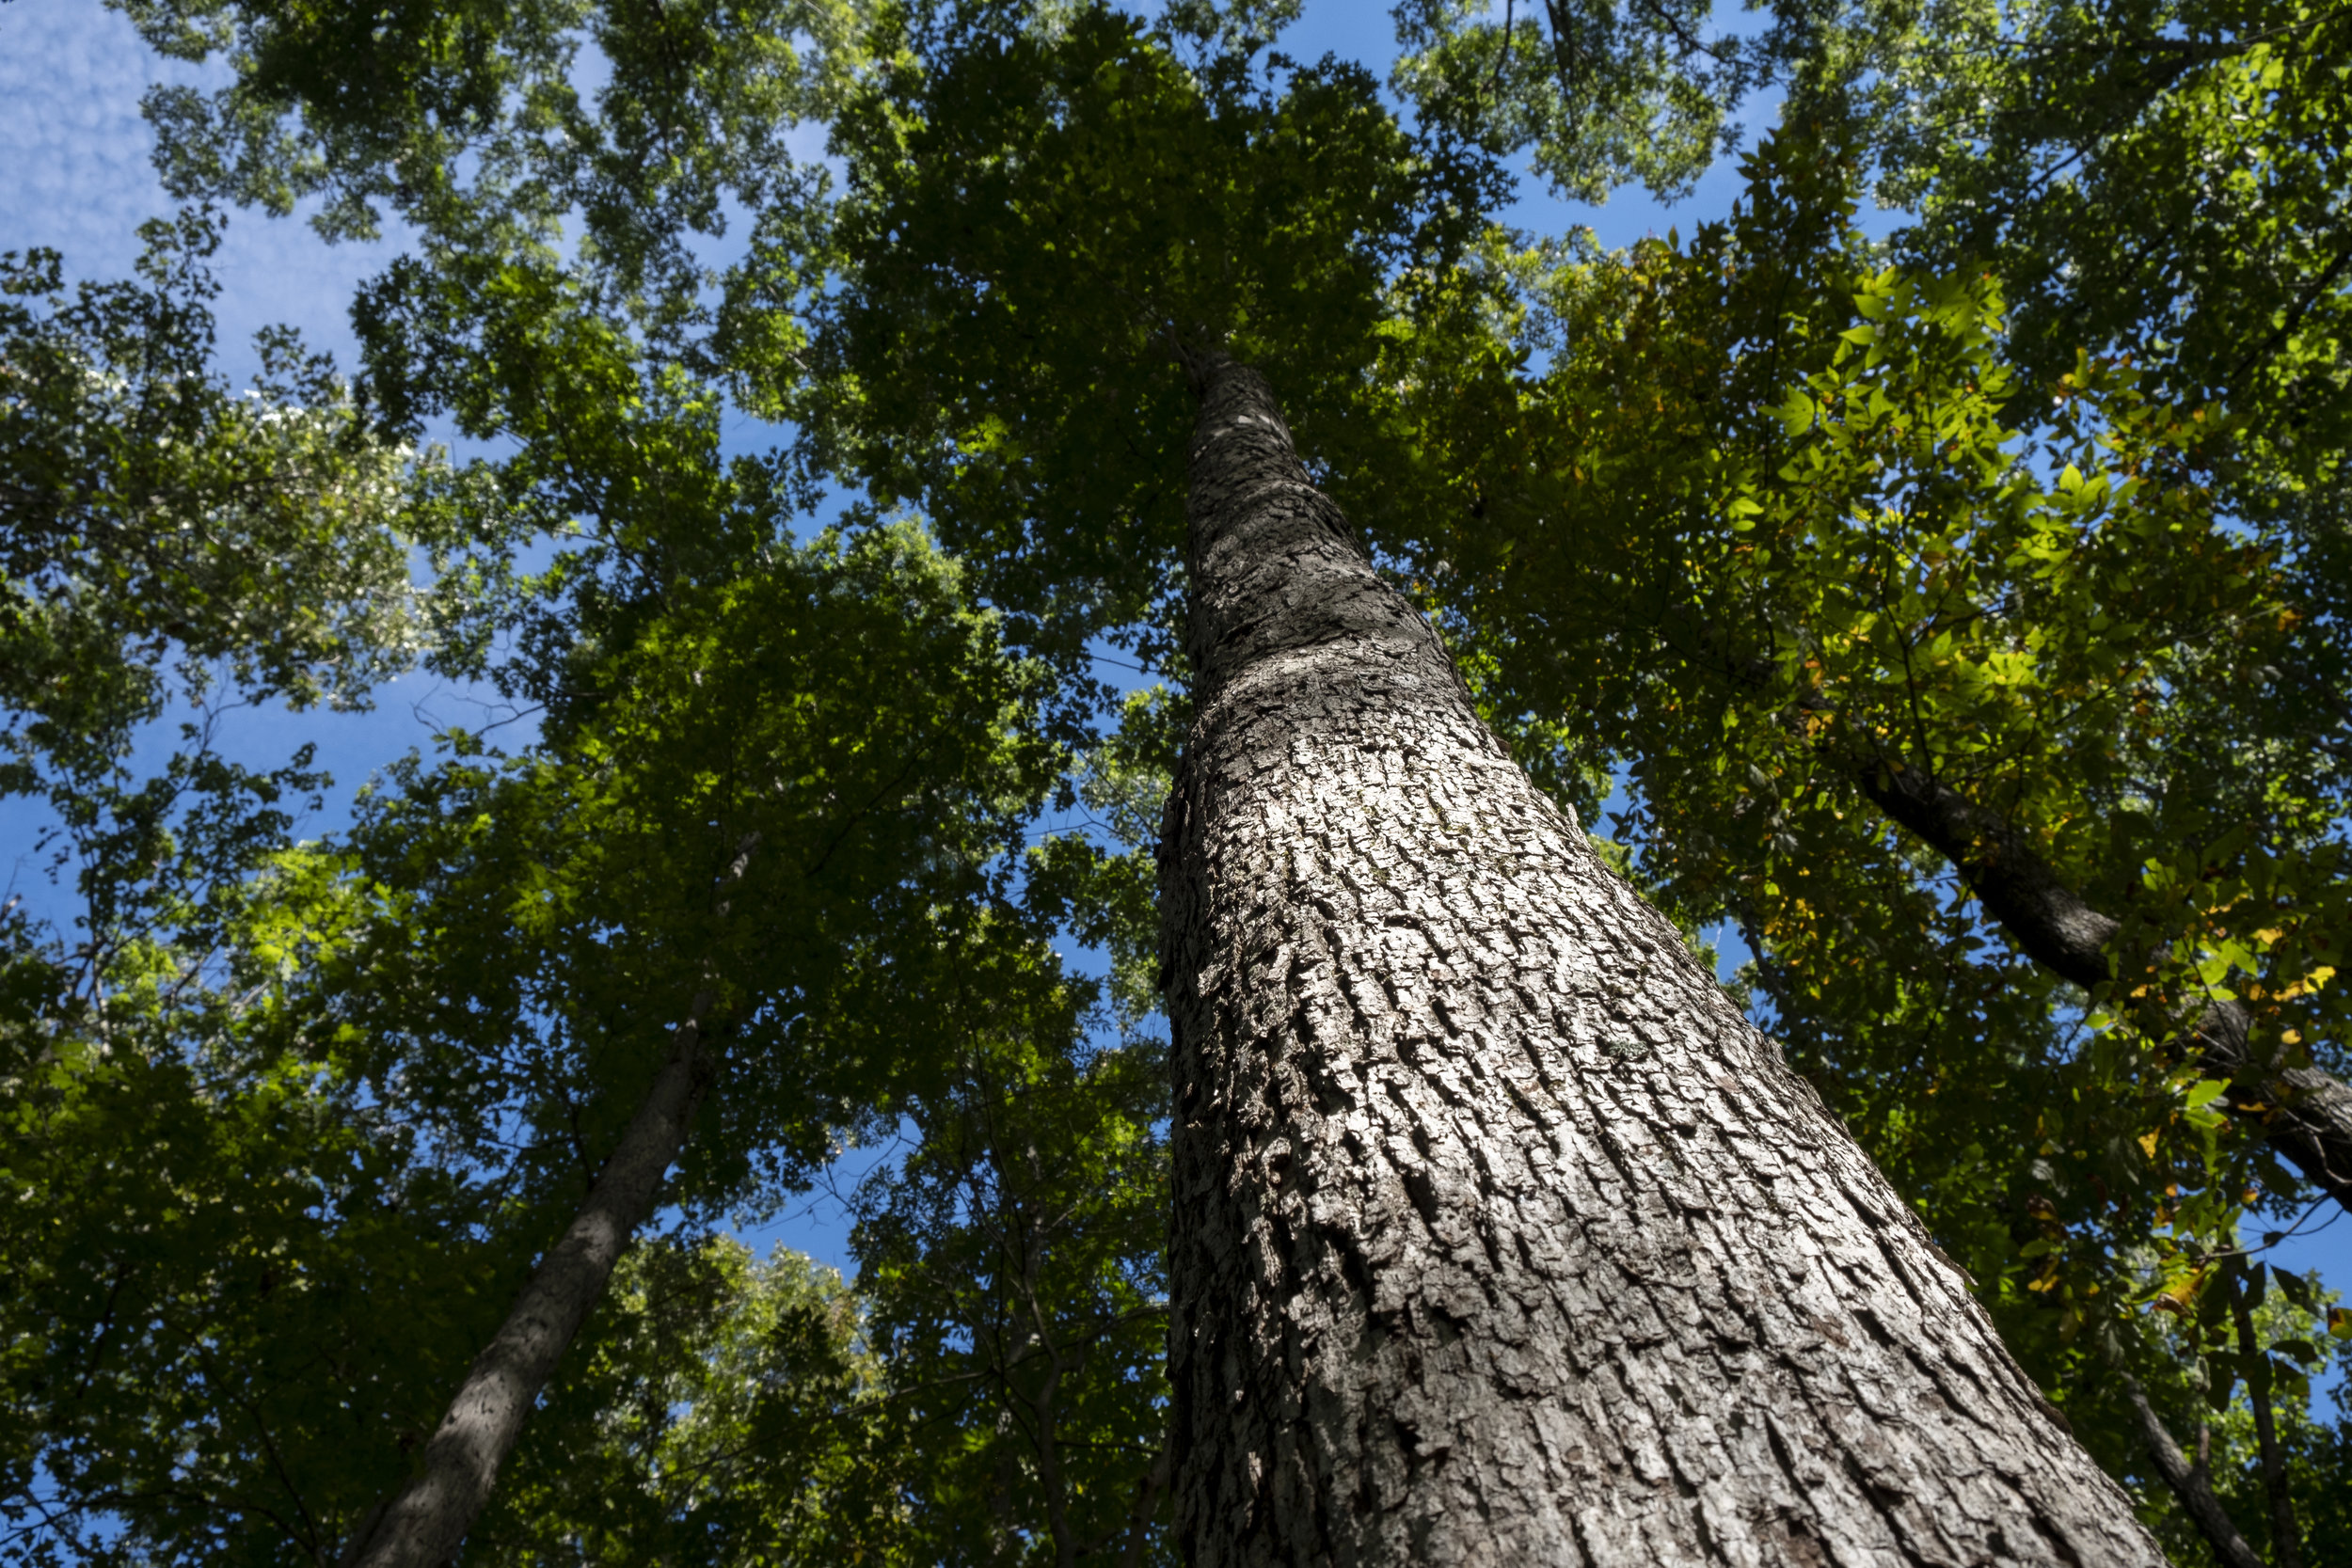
(2305, 1113)
(426, 1523)
(1500, 1236)
(2190, 1484)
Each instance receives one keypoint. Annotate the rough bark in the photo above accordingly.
(2305, 1113)
(424, 1523)
(1500, 1236)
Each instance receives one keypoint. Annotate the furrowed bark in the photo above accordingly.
(1499, 1235)
(2305, 1113)
(424, 1523)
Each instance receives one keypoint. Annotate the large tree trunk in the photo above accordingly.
(2305, 1113)
(1499, 1235)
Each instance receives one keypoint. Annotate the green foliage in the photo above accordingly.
(225, 1119)
(148, 506)
(987, 1391)
(242, 1282)
(468, 122)
(723, 1412)
(1606, 95)
(510, 942)
(2157, 178)
(1013, 1263)
(1105, 898)
(1032, 225)
(2300, 1334)
(171, 544)
(213, 1227)
(842, 707)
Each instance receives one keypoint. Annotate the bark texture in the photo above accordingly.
(422, 1526)
(1500, 1236)
(2306, 1115)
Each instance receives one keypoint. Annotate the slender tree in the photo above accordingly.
(425, 1522)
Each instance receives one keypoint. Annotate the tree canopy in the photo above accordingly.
(1953, 616)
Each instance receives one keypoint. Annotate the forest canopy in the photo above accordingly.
(1922, 581)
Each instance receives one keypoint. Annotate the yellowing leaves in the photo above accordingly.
(2309, 984)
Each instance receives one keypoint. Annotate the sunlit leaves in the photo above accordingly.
(724, 1410)
(152, 518)
(241, 1282)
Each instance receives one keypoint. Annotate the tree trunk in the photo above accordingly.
(424, 1523)
(1500, 1236)
(2191, 1484)
(2286, 1538)
(2305, 1113)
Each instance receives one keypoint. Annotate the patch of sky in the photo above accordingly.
(1366, 33)
(78, 180)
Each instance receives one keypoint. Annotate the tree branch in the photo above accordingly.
(2305, 1113)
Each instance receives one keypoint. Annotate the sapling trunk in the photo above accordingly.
(426, 1521)
(2190, 1484)
(2286, 1539)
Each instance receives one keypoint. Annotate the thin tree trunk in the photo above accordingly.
(1139, 1516)
(1500, 1236)
(2305, 1113)
(2190, 1484)
(2286, 1540)
(424, 1523)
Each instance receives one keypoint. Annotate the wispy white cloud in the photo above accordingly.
(75, 176)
